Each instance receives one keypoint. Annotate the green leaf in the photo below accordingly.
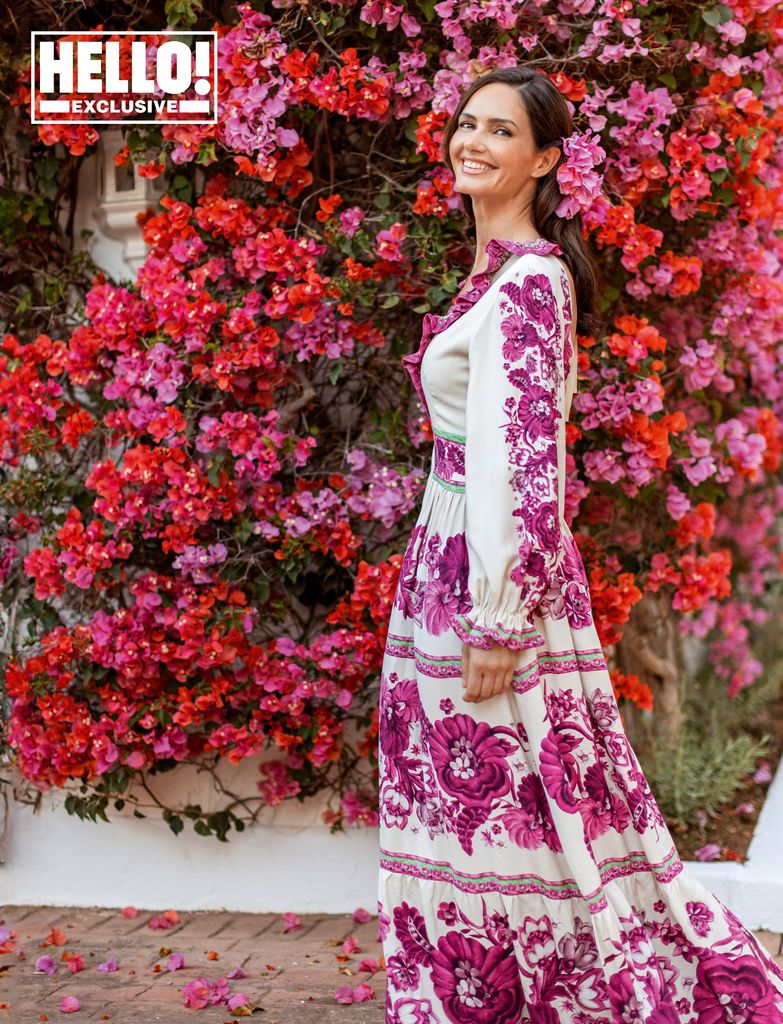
(382, 200)
(717, 15)
(389, 301)
(202, 828)
(335, 372)
(183, 12)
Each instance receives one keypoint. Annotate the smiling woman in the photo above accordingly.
(527, 874)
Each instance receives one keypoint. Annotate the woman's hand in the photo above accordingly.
(486, 673)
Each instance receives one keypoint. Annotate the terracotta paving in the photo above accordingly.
(291, 976)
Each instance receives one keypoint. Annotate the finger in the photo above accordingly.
(465, 664)
(508, 680)
(474, 684)
(488, 685)
(497, 684)
(467, 683)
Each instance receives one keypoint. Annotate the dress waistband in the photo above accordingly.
(448, 460)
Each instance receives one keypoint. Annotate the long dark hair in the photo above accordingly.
(550, 122)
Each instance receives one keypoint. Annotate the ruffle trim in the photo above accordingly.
(498, 250)
(478, 631)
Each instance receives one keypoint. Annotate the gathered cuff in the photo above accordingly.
(480, 628)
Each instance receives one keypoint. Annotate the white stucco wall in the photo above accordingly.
(49, 857)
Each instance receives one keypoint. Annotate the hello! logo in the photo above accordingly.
(128, 77)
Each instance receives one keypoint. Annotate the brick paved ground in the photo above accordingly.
(291, 976)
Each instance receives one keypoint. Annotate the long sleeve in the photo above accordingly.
(515, 453)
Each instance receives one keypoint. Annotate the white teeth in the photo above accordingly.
(474, 166)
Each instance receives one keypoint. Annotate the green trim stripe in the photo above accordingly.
(605, 868)
(447, 436)
(449, 487)
(469, 628)
(555, 657)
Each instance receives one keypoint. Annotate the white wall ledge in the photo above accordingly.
(289, 863)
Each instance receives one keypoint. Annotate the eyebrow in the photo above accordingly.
(492, 120)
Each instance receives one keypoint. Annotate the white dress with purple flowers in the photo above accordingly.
(526, 873)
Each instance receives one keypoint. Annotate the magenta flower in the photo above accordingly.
(579, 182)
(290, 922)
(70, 1004)
(46, 965)
(361, 994)
(108, 966)
(709, 852)
(197, 994)
(175, 962)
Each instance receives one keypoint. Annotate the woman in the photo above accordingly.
(526, 872)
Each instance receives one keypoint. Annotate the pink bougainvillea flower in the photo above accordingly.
(351, 945)
(163, 921)
(45, 964)
(75, 963)
(130, 912)
(108, 966)
(290, 922)
(709, 852)
(236, 973)
(237, 999)
(744, 808)
(344, 995)
(197, 994)
(361, 916)
(369, 965)
(763, 773)
(361, 994)
(70, 1004)
(175, 962)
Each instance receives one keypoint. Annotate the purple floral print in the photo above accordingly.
(448, 459)
(469, 760)
(531, 825)
(433, 583)
(476, 984)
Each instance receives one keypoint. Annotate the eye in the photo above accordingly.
(470, 125)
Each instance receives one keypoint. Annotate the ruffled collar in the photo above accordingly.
(498, 251)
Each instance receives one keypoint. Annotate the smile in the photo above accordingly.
(474, 165)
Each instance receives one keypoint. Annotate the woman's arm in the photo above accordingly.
(515, 454)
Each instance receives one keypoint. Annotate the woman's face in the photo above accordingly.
(492, 148)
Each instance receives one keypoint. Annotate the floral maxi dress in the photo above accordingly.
(526, 873)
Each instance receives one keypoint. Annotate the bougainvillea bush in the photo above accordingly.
(210, 472)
